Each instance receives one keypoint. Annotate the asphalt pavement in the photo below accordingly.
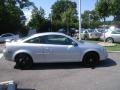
(65, 76)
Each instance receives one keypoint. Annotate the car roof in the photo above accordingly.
(7, 34)
(48, 33)
(45, 33)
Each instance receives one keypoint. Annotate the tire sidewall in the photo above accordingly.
(110, 40)
(90, 59)
(23, 64)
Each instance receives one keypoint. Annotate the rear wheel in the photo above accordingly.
(110, 40)
(91, 59)
(85, 37)
(23, 61)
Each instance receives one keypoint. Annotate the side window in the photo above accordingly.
(51, 39)
(57, 40)
(116, 32)
(34, 40)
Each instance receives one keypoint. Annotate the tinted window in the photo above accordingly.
(51, 39)
(57, 40)
(36, 40)
(116, 32)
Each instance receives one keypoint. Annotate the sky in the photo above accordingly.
(46, 5)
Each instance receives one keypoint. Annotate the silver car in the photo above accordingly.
(8, 37)
(53, 48)
(111, 35)
(90, 34)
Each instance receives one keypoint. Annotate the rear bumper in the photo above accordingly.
(7, 55)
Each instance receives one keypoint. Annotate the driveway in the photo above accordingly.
(65, 76)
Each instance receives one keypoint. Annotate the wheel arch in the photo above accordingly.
(90, 52)
(21, 52)
(110, 38)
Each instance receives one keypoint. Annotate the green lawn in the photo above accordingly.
(113, 48)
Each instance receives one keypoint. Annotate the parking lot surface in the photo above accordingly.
(65, 76)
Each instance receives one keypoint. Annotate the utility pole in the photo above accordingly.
(79, 19)
(51, 22)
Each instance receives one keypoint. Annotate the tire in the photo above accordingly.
(110, 40)
(91, 59)
(23, 61)
(85, 37)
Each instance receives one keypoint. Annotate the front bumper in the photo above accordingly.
(104, 55)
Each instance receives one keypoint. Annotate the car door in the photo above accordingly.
(35, 48)
(116, 35)
(58, 48)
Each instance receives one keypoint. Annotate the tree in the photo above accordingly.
(64, 13)
(90, 19)
(107, 8)
(102, 8)
(115, 9)
(12, 18)
(68, 19)
(38, 20)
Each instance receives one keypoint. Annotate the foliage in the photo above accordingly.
(90, 19)
(113, 48)
(68, 18)
(64, 14)
(107, 8)
(12, 18)
(115, 9)
(38, 20)
(102, 8)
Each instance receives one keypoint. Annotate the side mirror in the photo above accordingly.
(74, 44)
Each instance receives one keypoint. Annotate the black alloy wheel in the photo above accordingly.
(23, 61)
(91, 59)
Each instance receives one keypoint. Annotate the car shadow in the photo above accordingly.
(24, 89)
(107, 63)
(43, 66)
(73, 65)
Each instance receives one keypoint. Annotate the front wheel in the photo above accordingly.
(91, 59)
(23, 61)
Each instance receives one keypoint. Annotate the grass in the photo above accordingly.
(113, 48)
